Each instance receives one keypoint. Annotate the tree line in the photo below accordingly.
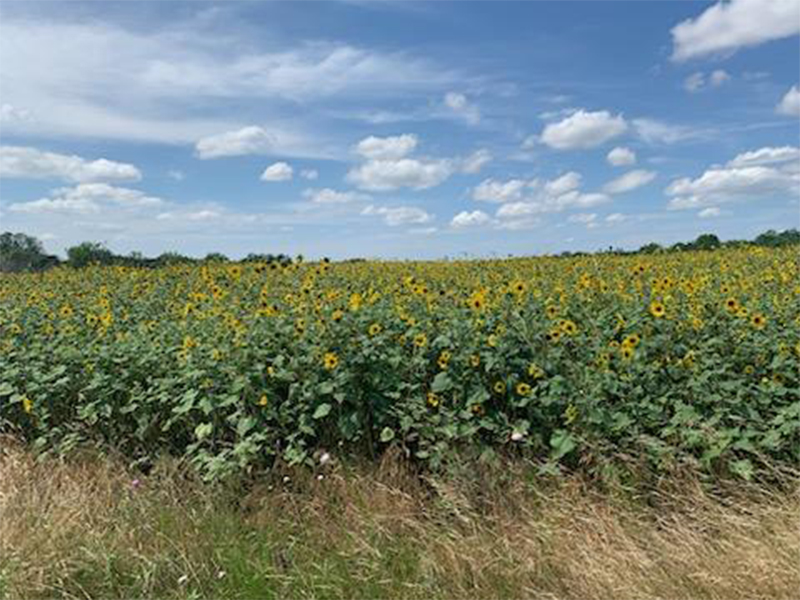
(21, 252)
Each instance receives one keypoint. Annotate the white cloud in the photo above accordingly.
(310, 174)
(720, 184)
(629, 181)
(247, 140)
(565, 183)
(387, 175)
(10, 113)
(653, 131)
(490, 190)
(620, 157)
(718, 77)
(583, 130)
(459, 104)
(729, 26)
(766, 156)
(587, 219)
(790, 103)
(87, 198)
(387, 148)
(169, 82)
(176, 175)
(279, 171)
(475, 162)
(694, 82)
(30, 163)
(710, 212)
(469, 219)
(615, 218)
(399, 215)
(697, 81)
(330, 196)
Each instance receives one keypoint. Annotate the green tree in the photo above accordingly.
(88, 253)
(20, 252)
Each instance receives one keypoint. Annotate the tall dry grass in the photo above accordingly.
(80, 529)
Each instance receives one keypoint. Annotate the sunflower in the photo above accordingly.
(551, 311)
(330, 361)
(523, 389)
(475, 361)
(420, 340)
(492, 340)
(535, 371)
(433, 399)
(731, 305)
(374, 329)
(27, 404)
(627, 352)
(657, 309)
(499, 387)
(553, 335)
(569, 327)
(263, 401)
(758, 321)
(632, 340)
(337, 315)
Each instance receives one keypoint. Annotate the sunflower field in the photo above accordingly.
(658, 361)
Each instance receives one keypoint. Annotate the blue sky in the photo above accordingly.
(397, 129)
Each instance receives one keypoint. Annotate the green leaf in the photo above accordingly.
(562, 443)
(441, 383)
(203, 430)
(322, 411)
(743, 468)
(387, 434)
(6, 389)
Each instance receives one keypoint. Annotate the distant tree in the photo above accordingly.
(172, 258)
(215, 257)
(88, 253)
(20, 252)
(707, 241)
(650, 248)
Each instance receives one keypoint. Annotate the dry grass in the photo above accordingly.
(79, 529)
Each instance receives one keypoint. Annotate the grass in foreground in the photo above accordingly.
(82, 529)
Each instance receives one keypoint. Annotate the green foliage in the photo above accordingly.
(662, 360)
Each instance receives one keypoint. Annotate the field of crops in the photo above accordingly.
(601, 362)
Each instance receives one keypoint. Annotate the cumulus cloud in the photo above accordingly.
(629, 181)
(583, 130)
(728, 26)
(654, 131)
(698, 81)
(330, 196)
(279, 171)
(387, 148)
(790, 103)
(476, 161)
(247, 140)
(387, 175)
(765, 156)
(620, 157)
(564, 183)
(462, 107)
(87, 198)
(466, 219)
(588, 219)
(746, 177)
(491, 190)
(310, 174)
(388, 167)
(710, 212)
(399, 215)
(30, 163)
(615, 218)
